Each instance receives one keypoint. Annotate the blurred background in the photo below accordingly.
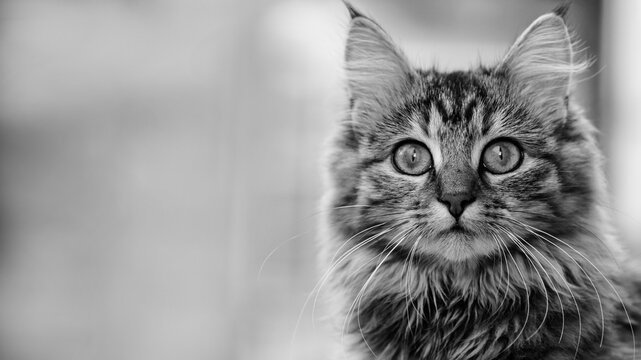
(160, 161)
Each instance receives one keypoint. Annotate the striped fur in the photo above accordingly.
(536, 273)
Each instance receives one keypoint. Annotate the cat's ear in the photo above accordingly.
(376, 69)
(541, 63)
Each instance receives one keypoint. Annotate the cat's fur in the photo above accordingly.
(536, 273)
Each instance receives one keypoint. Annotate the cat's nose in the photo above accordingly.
(457, 186)
(457, 202)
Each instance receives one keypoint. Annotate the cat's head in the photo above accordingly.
(458, 165)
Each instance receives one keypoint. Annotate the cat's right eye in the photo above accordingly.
(412, 158)
(502, 156)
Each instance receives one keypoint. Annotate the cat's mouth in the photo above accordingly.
(458, 228)
(458, 232)
(459, 242)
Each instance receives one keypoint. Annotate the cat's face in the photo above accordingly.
(459, 165)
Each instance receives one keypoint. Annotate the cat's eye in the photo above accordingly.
(502, 156)
(412, 158)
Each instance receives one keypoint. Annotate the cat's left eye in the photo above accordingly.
(412, 158)
(502, 156)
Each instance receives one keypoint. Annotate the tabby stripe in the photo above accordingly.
(469, 110)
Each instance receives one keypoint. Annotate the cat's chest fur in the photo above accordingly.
(419, 313)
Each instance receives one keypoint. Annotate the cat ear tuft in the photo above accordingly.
(562, 10)
(541, 63)
(376, 70)
(353, 13)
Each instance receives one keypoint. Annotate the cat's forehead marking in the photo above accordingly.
(446, 103)
(475, 113)
(421, 130)
(435, 120)
(456, 95)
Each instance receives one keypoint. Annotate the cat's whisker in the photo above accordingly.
(557, 295)
(601, 241)
(335, 264)
(503, 248)
(386, 210)
(300, 235)
(352, 307)
(357, 302)
(527, 303)
(353, 206)
(578, 308)
(317, 288)
(534, 230)
(552, 283)
(365, 265)
(320, 283)
(408, 293)
(531, 258)
(333, 260)
(274, 250)
(409, 298)
(616, 292)
(584, 228)
(538, 232)
(576, 304)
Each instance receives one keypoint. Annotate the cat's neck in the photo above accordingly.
(471, 306)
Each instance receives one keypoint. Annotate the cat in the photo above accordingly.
(466, 211)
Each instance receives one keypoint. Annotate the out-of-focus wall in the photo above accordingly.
(621, 98)
(160, 165)
(152, 154)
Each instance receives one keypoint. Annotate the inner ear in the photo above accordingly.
(540, 65)
(377, 71)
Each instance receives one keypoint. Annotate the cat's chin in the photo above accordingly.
(459, 244)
